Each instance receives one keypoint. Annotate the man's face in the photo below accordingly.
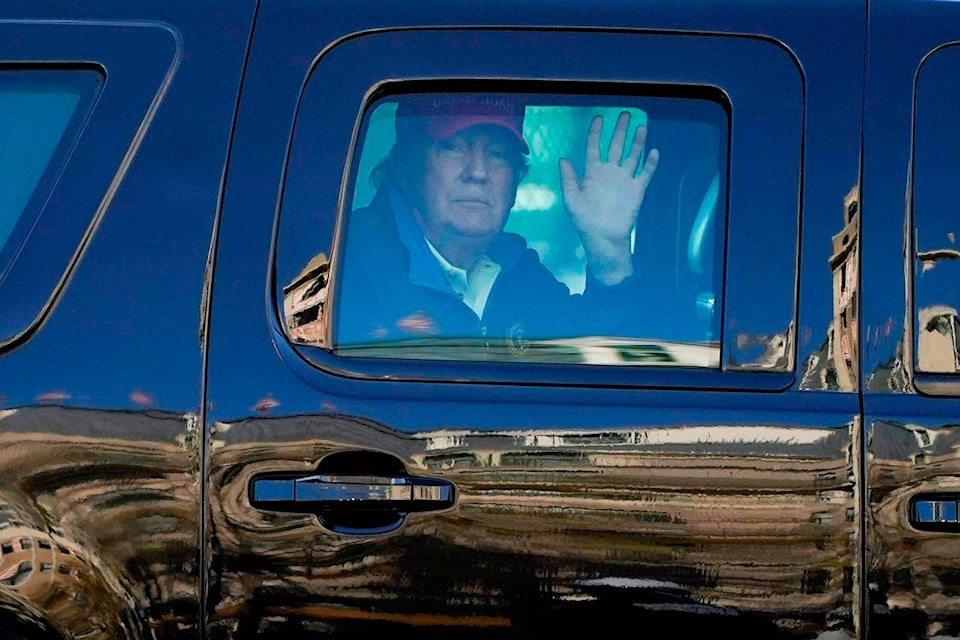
(469, 185)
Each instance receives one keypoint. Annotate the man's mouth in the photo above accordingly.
(473, 201)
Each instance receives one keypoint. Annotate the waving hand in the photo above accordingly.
(604, 204)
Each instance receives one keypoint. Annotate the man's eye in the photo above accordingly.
(499, 154)
(448, 146)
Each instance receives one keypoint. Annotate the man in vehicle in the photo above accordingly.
(429, 256)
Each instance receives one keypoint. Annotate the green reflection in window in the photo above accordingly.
(553, 133)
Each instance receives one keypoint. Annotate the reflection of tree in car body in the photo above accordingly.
(431, 245)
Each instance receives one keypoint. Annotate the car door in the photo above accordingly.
(910, 301)
(698, 473)
(114, 123)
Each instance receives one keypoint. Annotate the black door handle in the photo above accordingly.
(353, 503)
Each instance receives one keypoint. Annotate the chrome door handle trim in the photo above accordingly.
(935, 512)
(339, 491)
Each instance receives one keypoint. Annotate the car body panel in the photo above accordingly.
(101, 449)
(148, 379)
(576, 502)
(911, 417)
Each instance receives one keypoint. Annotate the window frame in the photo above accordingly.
(728, 50)
(945, 384)
(138, 61)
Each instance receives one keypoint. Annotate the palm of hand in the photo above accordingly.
(604, 205)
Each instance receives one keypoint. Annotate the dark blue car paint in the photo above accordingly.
(146, 378)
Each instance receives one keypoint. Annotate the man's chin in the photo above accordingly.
(478, 234)
(479, 225)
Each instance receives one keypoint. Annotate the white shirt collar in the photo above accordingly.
(474, 286)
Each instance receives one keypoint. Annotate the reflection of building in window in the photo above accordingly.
(835, 365)
(929, 259)
(938, 328)
(938, 340)
(304, 300)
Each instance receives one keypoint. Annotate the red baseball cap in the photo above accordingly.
(441, 115)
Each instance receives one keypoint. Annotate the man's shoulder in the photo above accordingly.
(371, 241)
(523, 269)
(372, 232)
(375, 218)
(509, 248)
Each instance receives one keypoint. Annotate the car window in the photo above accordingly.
(510, 227)
(936, 220)
(41, 112)
(726, 284)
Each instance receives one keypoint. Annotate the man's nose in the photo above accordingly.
(477, 163)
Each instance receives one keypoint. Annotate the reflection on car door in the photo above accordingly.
(910, 302)
(583, 500)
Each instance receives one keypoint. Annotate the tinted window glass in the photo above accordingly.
(40, 116)
(936, 217)
(529, 228)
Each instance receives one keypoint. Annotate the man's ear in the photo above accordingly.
(520, 171)
(518, 175)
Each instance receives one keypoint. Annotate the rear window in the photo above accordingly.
(41, 114)
(513, 227)
(936, 273)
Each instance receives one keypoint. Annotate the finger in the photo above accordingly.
(636, 150)
(593, 140)
(649, 167)
(619, 138)
(568, 179)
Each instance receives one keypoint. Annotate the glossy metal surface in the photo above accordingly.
(98, 519)
(764, 506)
(835, 365)
(914, 568)
(100, 435)
(140, 58)
(911, 436)
(585, 505)
(753, 525)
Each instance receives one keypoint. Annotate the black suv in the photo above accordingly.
(479, 319)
